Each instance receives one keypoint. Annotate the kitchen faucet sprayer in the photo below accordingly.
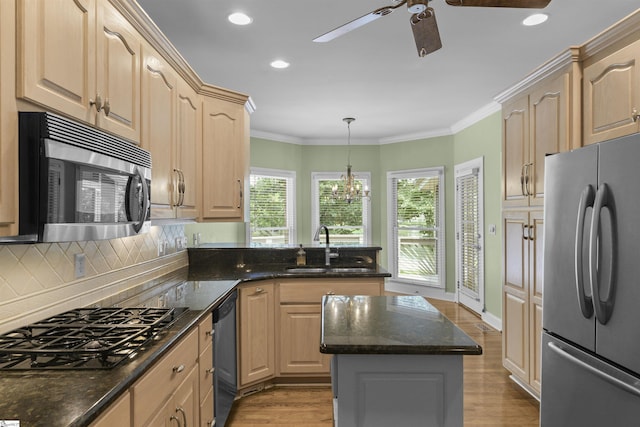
(327, 250)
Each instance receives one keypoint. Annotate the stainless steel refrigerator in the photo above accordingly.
(591, 296)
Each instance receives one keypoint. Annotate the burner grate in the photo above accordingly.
(85, 338)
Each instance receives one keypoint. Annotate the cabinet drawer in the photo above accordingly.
(206, 369)
(150, 392)
(205, 333)
(311, 291)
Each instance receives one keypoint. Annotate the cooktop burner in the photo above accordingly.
(84, 338)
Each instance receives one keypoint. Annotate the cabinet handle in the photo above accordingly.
(107, 107)
(181, 187)
(178, 369)
(240, 186)
(173, 418)
(330, 293)
(525, 232)
(531, 234)
(97, 103)
(184, 415)
(635, 115)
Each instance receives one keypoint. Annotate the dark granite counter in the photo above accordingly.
(389, 325)
(60, 398)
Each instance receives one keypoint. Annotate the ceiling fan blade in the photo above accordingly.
(533, 4)
(425, 32)
(357, 23)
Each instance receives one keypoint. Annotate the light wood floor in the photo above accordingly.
(490, 397)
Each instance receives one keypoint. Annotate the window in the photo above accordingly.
(272, 206)
(349, 223)
(416, 215)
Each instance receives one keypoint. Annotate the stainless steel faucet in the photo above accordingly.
(327, 250)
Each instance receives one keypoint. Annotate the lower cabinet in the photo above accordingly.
(205, 369)
(119, 414)
(256, 332)
(279, 326)
(181, 409)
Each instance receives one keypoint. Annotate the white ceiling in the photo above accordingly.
(372, 73)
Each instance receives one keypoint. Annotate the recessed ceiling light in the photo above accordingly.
(240, 18)
(535, 19)
(279, 63)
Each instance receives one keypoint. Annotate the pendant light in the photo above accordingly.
(351, 190)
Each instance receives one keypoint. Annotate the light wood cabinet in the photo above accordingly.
(522, 296)
(8, 123)
(224, 161)
(300, 320)
(611, 89)
(206, 370)
(256, 332)
(170, 388)
(82, 59)
(535, 124)
(171, 132)
(159, 96)
(118, 414)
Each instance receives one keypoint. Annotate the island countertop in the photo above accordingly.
(389, 325)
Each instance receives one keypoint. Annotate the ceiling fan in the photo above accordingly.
(423, 19)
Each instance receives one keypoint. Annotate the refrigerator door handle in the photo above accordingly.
(602, 308)
(585, 302)
(633, 388)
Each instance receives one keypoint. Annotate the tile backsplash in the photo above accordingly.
(37, 277)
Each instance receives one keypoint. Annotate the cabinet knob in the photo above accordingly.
(97, 103)
(331, 293)
(635, 115)
(259, 290)
(210, 371)
(178, 369)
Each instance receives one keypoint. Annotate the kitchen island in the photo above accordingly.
(397, 361)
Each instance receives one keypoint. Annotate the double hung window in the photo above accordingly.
(272, 207)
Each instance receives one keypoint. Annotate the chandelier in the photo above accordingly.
(351, 190)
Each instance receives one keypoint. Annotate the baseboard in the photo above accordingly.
(525, 387)
(424, 291)
(492, 320)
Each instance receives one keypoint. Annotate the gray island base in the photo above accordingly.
(397, 361)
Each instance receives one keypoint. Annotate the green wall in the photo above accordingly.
(482, 139)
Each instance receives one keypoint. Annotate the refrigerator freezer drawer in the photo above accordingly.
(582, 390)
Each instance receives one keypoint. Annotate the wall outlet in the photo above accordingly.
(162, 247)
(181, 243)
(79, 261)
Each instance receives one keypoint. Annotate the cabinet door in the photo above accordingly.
(300, 340)
(118, 414)
(611, 95)
(257, 333)
(549, 117)
(159, 132)
(187, 402)
(536, 257)
(515, 335)
(118, 73)
(515, 155)
(8, 123)
(222, 160)
(56, 56)
(188, 147)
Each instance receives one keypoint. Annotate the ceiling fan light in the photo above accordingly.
(240, 18)
(416, 6)
(279, 63)
(535, 19)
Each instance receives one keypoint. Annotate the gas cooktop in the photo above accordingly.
(85, 338)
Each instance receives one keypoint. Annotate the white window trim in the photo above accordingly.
(392, 255)
(464, 169)
(291, 207)
(315, 206)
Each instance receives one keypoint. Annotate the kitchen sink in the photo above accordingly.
(300, 269)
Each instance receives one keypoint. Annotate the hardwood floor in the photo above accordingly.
(490, 397)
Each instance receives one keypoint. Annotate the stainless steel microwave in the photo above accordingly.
(79, 183)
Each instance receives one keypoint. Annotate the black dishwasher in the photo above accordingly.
(225, 383)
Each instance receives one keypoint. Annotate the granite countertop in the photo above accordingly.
(389, 325)
(58, 398)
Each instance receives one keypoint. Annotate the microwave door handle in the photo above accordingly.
(145, 200)
(602, 308)
(584, 301)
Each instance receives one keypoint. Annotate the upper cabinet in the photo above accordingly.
(612, 95)
(8, 123)
(80, 58)
(536, 123)
(224, 161)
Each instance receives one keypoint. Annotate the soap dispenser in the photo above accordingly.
(301, 258)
